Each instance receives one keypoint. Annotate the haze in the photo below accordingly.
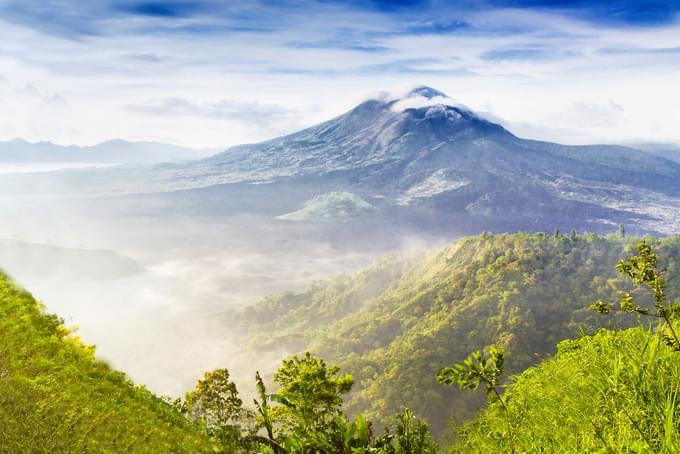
(151, 273)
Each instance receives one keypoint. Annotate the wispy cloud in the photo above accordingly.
(165, 9)
(528, 54)
(250, 113)
(629, 12)
(151, 69)
(636, 50)
(355, 46)
(424, 66)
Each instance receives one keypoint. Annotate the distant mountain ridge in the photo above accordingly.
(24, 258)
(116, 151)
(664, 150)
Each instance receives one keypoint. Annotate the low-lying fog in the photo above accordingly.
(31, 167)
(153, 293)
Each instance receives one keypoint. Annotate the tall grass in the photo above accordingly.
(616, 391)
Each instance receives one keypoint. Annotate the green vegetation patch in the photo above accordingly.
(616, 391)
(56, 397)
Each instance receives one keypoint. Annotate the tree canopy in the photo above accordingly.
(395, 325)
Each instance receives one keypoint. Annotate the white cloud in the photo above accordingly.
(246, 112)
(417, 102)
(199, 82)
(590, 115)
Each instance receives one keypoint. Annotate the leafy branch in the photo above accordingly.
(480, 368)
(642, 270)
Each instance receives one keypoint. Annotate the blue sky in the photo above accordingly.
(216, 73)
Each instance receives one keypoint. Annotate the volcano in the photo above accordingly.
(421, 160)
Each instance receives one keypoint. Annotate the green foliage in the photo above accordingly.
(264, 416)
(215, 399)
(215, 402)
(56, 397)
(310, 398)
(642, 270)
(307, 418)
(411, 436)
(601, 307)
(289, 318)
(309, 391)
(394, 326)
(616, 391)
(480, 368)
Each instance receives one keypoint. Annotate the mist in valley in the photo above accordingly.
(154, 293)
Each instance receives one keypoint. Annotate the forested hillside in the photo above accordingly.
(395, 325)
(56, 397)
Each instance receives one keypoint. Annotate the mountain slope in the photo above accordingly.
(422, 160)
(616, 391)
(668, 151)
(56, 397)
(400, 142)
(425, 131)
(395, 325)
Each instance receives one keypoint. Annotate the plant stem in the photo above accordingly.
(507, 416)
(675, 336)
(501, 400)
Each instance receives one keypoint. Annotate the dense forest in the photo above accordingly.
(394, 325)
(374, 351)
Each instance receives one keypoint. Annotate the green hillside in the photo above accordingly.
(392, 327)
(55, 396)
(395, 325)
(616, 391)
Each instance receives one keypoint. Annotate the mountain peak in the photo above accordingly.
(424, 97)
(18, 141)
(425, 92)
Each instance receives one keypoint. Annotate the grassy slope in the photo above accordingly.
(56, 397)
(525, 292)
(616, 391)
